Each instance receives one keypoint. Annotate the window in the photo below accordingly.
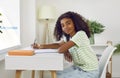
(9, 24)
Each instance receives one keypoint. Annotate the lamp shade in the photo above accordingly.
(47, 12)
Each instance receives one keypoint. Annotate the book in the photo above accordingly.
(21, 52)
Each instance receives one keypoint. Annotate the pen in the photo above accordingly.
(35, 41)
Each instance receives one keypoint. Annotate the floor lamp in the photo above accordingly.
(47, 13)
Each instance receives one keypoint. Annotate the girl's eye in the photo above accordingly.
(68, 23)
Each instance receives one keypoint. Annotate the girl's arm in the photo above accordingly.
(64, 48)
(68, 56)
(48, 46)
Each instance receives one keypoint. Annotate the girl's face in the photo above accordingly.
(68, 26)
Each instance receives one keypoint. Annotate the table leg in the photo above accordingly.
(33, 73)
(53, 74)
(41, 74)
(18, 73)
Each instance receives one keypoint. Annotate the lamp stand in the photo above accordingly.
(46, 37)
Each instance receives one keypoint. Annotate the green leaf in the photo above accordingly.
(95, 27)
(117, 51)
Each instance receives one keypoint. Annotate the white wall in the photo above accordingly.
(28, 22)
(106, 12)
(116, 66)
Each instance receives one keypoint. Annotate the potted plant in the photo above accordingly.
(0, 30)
(117, 51)
(95, 28)
(0, 24)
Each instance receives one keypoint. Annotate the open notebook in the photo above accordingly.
(37, 51)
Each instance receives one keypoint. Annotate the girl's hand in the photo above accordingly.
(68, 56)
(36, 46)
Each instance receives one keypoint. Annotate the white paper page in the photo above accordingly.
(37, 51)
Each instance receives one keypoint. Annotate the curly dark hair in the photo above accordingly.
(79, 23)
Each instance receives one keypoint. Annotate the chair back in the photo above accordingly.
(104, 60)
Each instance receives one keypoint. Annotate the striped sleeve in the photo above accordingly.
(80, 38)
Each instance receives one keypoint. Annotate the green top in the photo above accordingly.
(82, 53)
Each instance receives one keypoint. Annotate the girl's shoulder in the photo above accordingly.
(81, 32)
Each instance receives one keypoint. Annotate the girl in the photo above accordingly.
(76, 47)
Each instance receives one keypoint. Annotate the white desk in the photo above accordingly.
(43, 61)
